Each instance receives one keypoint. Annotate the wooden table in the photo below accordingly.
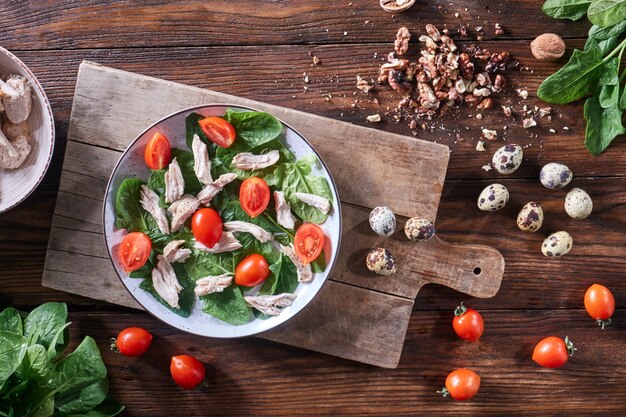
(262, 50)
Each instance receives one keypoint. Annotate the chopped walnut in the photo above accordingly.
(374, 118)
(480, 146)
(543, 112)
(528, 123)
(490, 134)
(523, 93)
(433, 32)
(499, 29)
(507, 111)
(316, 60)
(485, 104)
(497, 62)
(363, 85)
(401, 45)
(487, 168)
(466, 66)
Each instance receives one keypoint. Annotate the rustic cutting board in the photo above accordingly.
(356, 315)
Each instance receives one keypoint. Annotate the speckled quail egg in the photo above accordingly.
(381, 262)
(557, 244)
(578, 204)
(507, 159)
(418, 229)
(383, 221)
(530, 217)
(555, 175)
(493, 197)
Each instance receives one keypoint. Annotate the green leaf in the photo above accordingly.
(283, 277)
(46, 320)
(575, 80)
(157, 180)
(253, 128)
(600, 33)
(12, 351)
(622, 100)
(35, 364)
(566, 9)
(186, 298)
(185, 160)
(60, 337)
(201, 264)
(44, 409)
(319, 265)
(609, 80)
(603, 125)
(79, 369)
(228, 306)
(87, 399)
(193, 128)
(609, 96)
(129, 214)
(11, 321)
(606, 13)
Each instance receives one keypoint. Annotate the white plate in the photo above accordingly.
(17, 184)
(131, 164)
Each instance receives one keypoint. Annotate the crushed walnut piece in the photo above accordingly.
(374, 118)
(489, 134)
(401, 45)
(480, 146)
(362, 84)
(499, 29)
(528, 123)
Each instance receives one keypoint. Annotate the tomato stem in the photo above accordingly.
(460, 310)
(114, 347)
(570, 346)
(603, 323)
(444, 392)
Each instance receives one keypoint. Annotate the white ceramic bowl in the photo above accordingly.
(131, 164)
(17, 184)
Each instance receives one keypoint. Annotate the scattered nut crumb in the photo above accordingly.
(374, 118)
(362, 84)
(523, 93)
(480, 146)
(479, 116)
(507, 111)
(552, 131)
(490, 134)
(565, 128)
(316, 60)
(487, 168)
(528, 123)
(544, 111)
(499, 29)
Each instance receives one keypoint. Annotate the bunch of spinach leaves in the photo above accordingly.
(37, 380)
(593, 71)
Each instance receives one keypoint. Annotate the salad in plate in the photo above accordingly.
(232, 222)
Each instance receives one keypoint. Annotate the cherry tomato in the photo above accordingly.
(254, 196)
(218, 130)
(206, 226)
(187, 371)
(252, 270)
(553, 352)
(468, 323)
(461, 384)
(600, 304)
(158, 152)
(134, 251)
(133, 342)
(308, 242)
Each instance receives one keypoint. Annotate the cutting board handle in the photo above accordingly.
(475, 270)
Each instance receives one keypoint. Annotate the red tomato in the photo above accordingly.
(600, 304)
(461, 384)
(134, 251)
(187, 371)
(308, 242)
(218, 130)
(254, 196)
(468, 323)
(133, 341)
(158, 152)
(206, 226)
(553, 352)
(252, 270)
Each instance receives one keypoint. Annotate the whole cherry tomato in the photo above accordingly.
(600, 304)
(468, 323)
(187, 371)
(461, 384)
(132, 341)
(206, 226)
(553, 352)
(252, 270)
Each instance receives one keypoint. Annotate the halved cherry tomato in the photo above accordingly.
(134, 251)
(468, 323)
(206, 226)
(133, 342)
(461, 384)
(308, 242)
(158, 151)
(553, 352)
(187, 371)
(218, 130)
(254, 196)
(600, 304)
(252, 270)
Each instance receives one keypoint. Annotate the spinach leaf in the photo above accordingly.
(129, 214)
(44, 322)
(622, 99)
(193, 128)
(201, 264)
(296, 177)
(319, 265)
(609, 82)
(79, 369)
(11, 321)
(157, 181)
(253, 128)
(606, 13)
(185, 160)
(85, 400)
(575, 79)
(283, 277)
(603, 125)
(186, 298)
(566, 9)
(600, 33)
(12, 351)
(228, 306)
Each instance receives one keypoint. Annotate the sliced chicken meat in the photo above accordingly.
(227, 243)
(305, 273)
(13, 154)
(201, 161)
(17, 107)
(321, 203)
(248, 161)
(165, 282)
(15, 130)
(208, 192)
(174, 253)
(150, 202)
(174, 182)
(182, 209)
(270, 305)
(258, 232)
(209, 285)
(283, 211)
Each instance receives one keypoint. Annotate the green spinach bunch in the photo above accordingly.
(596, 70)
(38, 380)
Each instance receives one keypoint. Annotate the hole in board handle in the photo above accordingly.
(477, 271)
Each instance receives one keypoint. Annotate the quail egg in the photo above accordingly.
(383, 221)
(507, 159)
(381, 262)
(557, 244)
(555, 175)
(578, 204)
(418, 229)
(530, 217)
(493, 197)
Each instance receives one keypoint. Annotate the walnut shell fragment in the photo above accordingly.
(396, 5)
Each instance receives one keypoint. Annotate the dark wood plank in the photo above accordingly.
(110, 24)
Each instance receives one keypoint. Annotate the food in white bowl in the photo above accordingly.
(222, 221)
